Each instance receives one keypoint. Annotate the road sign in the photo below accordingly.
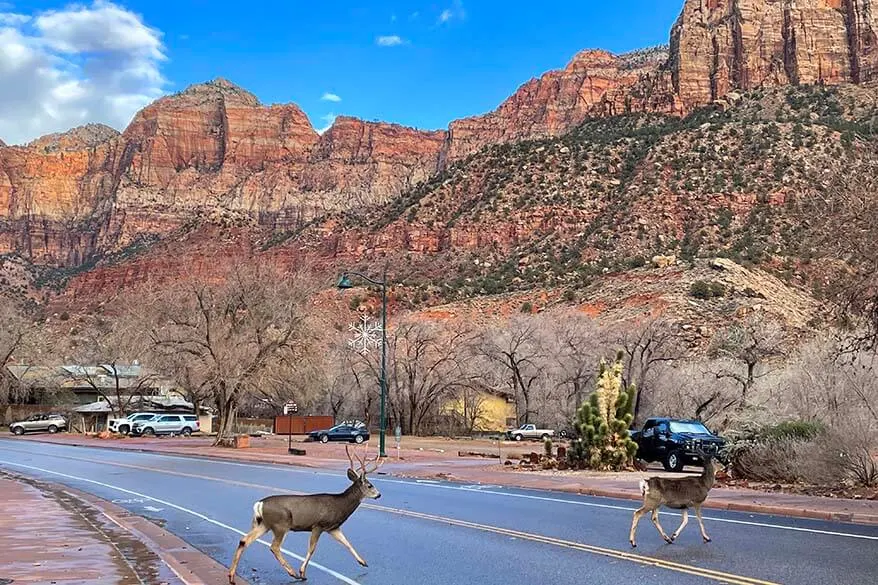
(291, 408)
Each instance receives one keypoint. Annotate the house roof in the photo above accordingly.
(77, 377)
(147, 403)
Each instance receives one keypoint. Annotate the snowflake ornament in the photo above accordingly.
(367, 335)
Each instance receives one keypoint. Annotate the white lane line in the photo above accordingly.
(317, 566)
(475, 489)
(292, 469)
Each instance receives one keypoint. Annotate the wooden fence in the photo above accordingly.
(301, 425)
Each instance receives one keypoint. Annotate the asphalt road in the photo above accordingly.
(424, 533)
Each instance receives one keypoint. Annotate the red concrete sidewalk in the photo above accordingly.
(435, 465)
(53, 534)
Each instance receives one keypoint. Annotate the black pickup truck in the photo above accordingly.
(675, 442)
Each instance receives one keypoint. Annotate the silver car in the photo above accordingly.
(51, 423)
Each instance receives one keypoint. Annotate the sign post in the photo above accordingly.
(398, 439)
(290, 408)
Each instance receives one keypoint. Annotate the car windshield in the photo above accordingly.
(689, 427)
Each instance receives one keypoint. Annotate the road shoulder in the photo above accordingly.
(60, 535)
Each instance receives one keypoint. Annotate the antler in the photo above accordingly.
(373, 466)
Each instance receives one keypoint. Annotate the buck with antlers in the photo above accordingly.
(314, 513)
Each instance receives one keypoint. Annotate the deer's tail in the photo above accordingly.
(644, 487)
(257, 514)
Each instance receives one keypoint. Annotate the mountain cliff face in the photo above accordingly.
(213, 151)
(721, 45)
(594, 82)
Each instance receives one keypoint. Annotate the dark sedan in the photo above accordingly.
(342, 432)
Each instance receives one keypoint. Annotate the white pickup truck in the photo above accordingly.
(529, 431)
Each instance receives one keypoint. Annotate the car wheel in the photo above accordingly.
(324, 439)
(124, 430)
(518, 438)
(18, 431)
(674, 461)
(186, 432)
(52, 429)
(358, 439)
(148, 431)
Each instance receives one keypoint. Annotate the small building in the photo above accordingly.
(80, 385)
(94, 417)
(486, 411)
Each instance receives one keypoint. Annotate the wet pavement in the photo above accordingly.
(429, 532)
(50, 536)
(439, 461)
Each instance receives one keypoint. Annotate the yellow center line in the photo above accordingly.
(568, 544)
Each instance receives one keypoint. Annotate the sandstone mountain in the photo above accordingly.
(607, 154)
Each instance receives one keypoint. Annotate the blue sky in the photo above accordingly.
(438, 60)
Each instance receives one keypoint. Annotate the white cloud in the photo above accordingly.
(454, 12)
(330, 97)
(329, 119)
(389, 41)
(12, 19)
(66, 67)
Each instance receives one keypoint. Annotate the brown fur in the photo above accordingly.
(314, 513)
(678, 494)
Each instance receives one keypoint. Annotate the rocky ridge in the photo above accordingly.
(213, 153)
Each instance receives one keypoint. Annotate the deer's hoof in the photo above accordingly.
(706, 539)
(669, 540)
(633, 544)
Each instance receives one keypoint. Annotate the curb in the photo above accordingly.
(714, 503)
(190, 565)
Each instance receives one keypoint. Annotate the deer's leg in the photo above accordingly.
(275, 549)
(312, 544)
(682, 524)
(340, 537)
(701, 523)
(658, 526)
(637, 514)
(248, 539)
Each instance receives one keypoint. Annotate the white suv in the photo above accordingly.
(124, 425)
(168, 424)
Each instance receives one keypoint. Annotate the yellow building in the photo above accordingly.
(482, 411)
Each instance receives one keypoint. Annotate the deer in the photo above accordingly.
(314, 513)
(678, 494)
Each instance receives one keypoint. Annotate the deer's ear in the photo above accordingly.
(352, 475)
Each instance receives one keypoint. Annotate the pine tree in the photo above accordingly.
(602, 423)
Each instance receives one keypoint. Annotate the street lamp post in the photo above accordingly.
(344, 283)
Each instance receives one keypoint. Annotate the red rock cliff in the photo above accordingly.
(593, 82)
(721, 45)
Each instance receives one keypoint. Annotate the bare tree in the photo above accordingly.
(113, 345)
(231, 334)
(516, 349)
(646, 345)
(576, 345)
(690, 388)
(747, 351)
(472, 407)
(13, 328)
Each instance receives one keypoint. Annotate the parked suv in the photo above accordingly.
(675, 442)
(51, 423)
(167, 424)
(124, 425)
